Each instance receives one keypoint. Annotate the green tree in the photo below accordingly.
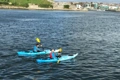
(66, 6)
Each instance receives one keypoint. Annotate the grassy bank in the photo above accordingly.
(24, 3)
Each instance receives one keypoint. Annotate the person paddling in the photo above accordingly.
(58, 55)
(52, 55)
(37, 48)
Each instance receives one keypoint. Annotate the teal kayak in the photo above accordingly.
(62, 58)
(32, 54)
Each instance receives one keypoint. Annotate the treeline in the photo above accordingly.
(24, 3)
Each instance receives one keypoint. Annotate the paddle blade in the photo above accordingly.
(60, 50)
(58, 61)
(38, 40)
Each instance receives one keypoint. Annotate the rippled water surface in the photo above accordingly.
(94, 35)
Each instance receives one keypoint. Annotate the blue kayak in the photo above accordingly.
(62, 58)
(32, 54)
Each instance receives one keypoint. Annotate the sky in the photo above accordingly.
(111, 1)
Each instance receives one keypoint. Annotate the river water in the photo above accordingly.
(94, 35)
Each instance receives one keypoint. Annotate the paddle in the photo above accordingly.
(38, 40)
(58, 61)
(60, 49)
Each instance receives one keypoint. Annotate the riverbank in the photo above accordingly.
(37, 8)
(11, 7)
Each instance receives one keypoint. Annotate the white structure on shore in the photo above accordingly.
(33, 6)
(78, 6)
(113, 7)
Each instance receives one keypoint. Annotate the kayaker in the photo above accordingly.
(37, 48)
(58, 55)
(52, 55)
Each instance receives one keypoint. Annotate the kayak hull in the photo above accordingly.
(31, 53)
(62, 58)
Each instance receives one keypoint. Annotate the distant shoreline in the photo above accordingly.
(44, 9)
(52, 9)
(24, 8)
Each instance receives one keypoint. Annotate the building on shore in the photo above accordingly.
(103, 7)
(68, 6)
(113, 7)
